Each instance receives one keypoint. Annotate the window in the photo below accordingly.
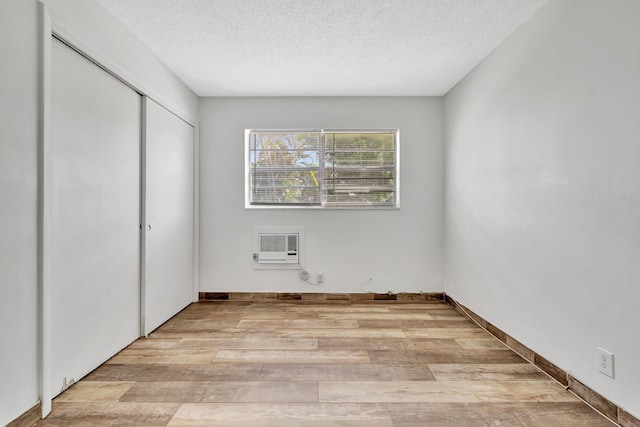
(322, 168)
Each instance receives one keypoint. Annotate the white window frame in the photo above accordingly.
(247, 184)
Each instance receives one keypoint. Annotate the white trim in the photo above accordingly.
(143, 214)
(196, 212)
(324, 208)
(398, 170)
(44, 221)
(247, 171)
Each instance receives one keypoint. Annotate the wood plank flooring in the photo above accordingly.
(289, 363)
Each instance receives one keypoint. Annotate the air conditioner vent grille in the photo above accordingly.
(272, 243)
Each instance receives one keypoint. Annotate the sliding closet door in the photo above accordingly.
(169, 215)
(94, 216)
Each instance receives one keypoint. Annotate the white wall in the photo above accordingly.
(543, 189)
(18, 182)
(399, 249)
(93, 27)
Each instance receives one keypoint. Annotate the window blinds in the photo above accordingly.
(323, 168)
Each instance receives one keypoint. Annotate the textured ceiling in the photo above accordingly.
(321, 47)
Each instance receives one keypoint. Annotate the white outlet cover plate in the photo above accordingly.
(605, 362)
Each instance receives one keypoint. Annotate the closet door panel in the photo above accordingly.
(169, 215)
(94, 238)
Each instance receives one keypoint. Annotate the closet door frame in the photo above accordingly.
(52, 25)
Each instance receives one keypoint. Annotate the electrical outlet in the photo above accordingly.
(605, 362)
(320, 277)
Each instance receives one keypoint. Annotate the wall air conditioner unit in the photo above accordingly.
(274, 248)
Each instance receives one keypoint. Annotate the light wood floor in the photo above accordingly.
(294, 364)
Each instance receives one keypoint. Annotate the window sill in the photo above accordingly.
(323, 208)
